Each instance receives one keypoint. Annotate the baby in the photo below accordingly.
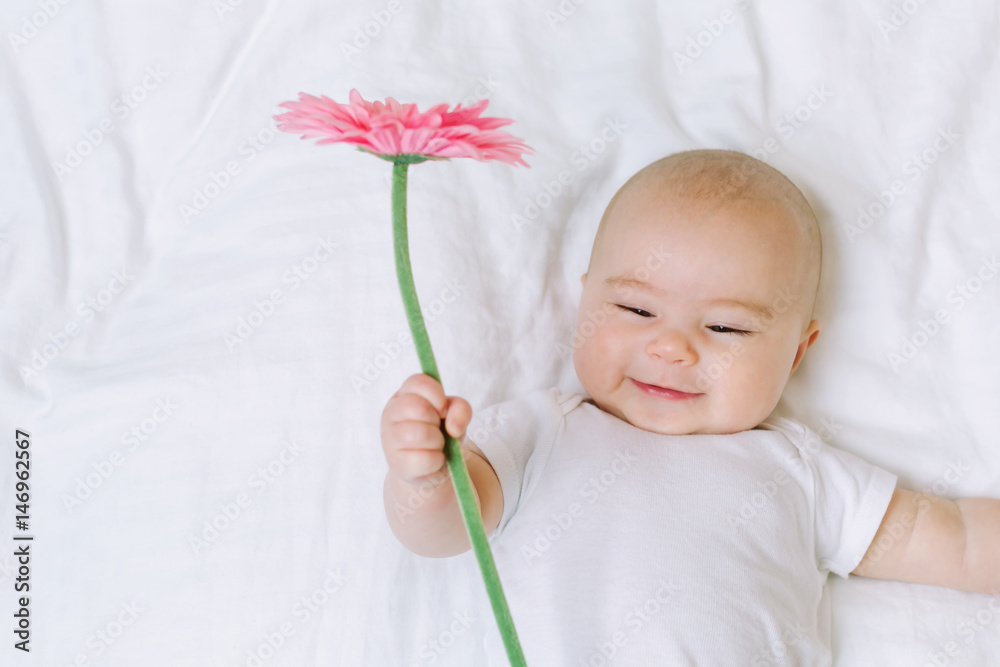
(666, 517)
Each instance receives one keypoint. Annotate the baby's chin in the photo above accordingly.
(706, 430)
(692, 419)
(688, 426)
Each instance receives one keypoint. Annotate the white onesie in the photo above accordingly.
(619, 546)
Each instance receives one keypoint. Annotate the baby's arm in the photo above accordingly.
(925, 539)
(420, 501)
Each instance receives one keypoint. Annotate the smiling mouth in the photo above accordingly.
(664, 392)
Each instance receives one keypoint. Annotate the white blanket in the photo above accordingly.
(200, 322)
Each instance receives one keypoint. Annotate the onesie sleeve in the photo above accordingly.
(516, 437)
(851, 497)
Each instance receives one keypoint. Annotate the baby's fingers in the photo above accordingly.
(410, 407)
(458, 414)
(414, 449)
(421, 465)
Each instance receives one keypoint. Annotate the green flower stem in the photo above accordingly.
(452, 449)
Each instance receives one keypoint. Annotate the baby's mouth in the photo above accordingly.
(664, 392)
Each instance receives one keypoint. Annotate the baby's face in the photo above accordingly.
(693, 317)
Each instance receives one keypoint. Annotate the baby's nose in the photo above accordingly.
(673, 346)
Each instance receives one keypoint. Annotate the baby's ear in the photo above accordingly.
(808, 338)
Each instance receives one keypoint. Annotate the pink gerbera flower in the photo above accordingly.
(403, 135)
(393, 129)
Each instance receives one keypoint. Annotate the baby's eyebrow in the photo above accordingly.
(625, 281)
(757, 308)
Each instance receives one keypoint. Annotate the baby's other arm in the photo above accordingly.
(925, 539)
(420, 501)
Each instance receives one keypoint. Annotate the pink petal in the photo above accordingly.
(392, 128)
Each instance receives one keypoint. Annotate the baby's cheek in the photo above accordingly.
(762, 387)
(586, 355)
(600, 351)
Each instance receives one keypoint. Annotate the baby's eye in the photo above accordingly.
(637, 311)
(718, 328)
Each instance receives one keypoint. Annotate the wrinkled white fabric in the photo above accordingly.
(218, 304)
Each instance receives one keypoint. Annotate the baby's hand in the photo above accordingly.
(411, 429)
(420, 501)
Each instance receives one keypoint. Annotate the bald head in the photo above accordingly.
(702, 182)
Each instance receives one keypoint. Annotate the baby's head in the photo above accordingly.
(702, 280)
